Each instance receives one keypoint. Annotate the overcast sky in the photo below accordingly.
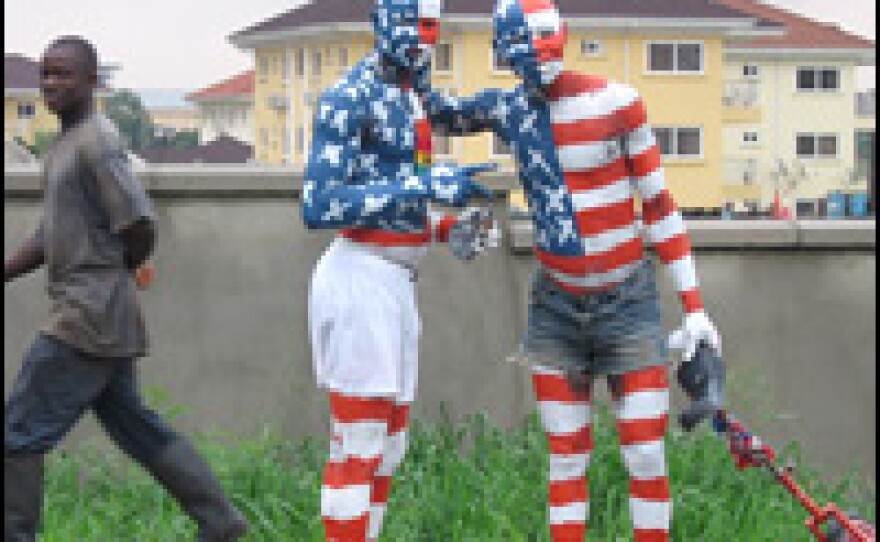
(183, 43)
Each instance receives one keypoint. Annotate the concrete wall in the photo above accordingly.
(794, 301)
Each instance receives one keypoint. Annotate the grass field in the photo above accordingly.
(460, 482)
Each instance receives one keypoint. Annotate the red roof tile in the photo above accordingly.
(801, 32)
(240, 85)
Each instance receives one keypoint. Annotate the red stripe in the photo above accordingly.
(652, 378)
(570, 84)
(399, 419)
(578, 442)
(625, 253)
(657, 208)
(568, 491)
(613, 216)
(386, 238)
(674, 248)
(650, 535)
(534, 6)
(611, 172)
(656, 489)
(568, 532)
(441, 230)
(632, 116)
(691, 300)
(642, 431)
(557, 388)
(582, 290)
(348, 409)
(381, 490)
(353, 471)
(641, 165)
(584, 131)
(355, 530)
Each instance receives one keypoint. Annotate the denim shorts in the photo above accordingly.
(606, 333)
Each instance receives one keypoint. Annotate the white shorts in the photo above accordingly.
(364, 324)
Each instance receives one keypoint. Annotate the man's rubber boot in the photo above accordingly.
(186, 476)
(22, 497)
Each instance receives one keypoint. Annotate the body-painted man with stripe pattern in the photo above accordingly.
(370, 176)
(586, 153)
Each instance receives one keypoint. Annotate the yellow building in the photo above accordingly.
(24, 114)
(675, 55)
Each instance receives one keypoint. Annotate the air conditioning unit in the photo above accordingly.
(277, 102)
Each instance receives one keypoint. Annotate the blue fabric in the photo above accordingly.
(57, 384)
(607, 333)
(513, 42)
(395, 25)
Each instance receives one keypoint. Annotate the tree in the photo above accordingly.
(131, 117)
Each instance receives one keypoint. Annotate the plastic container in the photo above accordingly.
(858, 205)
(836, 205)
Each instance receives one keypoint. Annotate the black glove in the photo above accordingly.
(702, 379)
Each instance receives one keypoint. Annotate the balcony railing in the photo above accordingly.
(740, 94)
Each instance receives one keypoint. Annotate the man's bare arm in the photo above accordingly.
(139, 240)
(30, 257)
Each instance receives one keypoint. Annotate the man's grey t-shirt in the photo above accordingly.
(90, 197)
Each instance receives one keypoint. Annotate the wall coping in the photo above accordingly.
(270, 182)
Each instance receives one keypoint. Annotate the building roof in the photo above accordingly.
(20, 72)
(239, 86)
(801, 32)
(164, 98)
(320, 12)
(223, 150)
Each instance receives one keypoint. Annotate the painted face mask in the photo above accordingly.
(406, 30)
(530, 38)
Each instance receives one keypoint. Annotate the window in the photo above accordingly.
(300, 61)
(750, 138)
(285, 142)
(285, 68)
(443, 57)
(675, 57)
(821, 79)
(316, 63)
(591, 48)
(263, 66)
(817, 145)
(264, 137)
(26, 110)
(343, 57)
(750, 71)
(442, 145)
(500, 149)
(300, 140)
(680, 141)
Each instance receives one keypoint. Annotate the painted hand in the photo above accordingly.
(474, 232)
(696, 328)
(453, 184)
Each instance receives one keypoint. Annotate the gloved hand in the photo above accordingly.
(453, 184)
(475, 231)
(695, 329)
(703, 380)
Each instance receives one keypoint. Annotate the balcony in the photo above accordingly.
(741, 101)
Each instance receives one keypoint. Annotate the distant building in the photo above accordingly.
(222, 150)
(24, 114)
(169, 111)
(227, 108)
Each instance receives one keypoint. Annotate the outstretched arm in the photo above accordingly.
(462, 116)
(329, 200)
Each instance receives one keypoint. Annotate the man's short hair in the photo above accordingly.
(86, 51)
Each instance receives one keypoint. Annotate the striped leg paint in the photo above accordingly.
(641, 401)
(565, 415)
(392, 457)
(360, 426)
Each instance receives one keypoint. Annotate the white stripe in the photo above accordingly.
(547, 371)
(361, 439)
(643, 405)
(666, 228)
(615, 192)
(592, 105)
(377, 516)
(595, 280)
(640, 140)
(545, 19)
(684, 275)
(650, 514)
(568, 466)
(587, 156)
(646, 460)
(392, 457)
(575, 512)
(563, 418)
(607, 240)
(345, 503)
(430, 9)
(650, 185)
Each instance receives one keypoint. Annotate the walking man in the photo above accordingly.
(96, 230)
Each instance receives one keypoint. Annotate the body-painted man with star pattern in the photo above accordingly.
(370, 175)
(585, 152)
